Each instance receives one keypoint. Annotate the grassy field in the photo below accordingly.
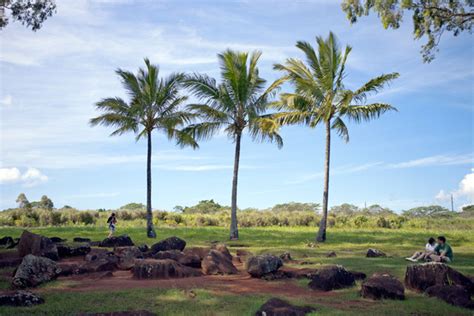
(350, 246)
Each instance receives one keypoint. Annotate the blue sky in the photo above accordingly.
(51, 79)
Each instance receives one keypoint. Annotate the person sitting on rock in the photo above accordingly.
(443, 251)
(111, 221)
(423, 255)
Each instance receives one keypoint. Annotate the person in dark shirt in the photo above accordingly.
(111, 221)
(443, 251)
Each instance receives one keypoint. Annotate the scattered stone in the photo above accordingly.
(201, 252)
(15, 243)
(162, 269)
(331, 254)
(421, 276)
(127, 256)
(57, 240)
(97, 253)
(72, 251)
(33, 271)
(278, 307)
(20, 298)
(95, 243)
(217, 262)
(171, 243)
(37, 245)
(143, 248)
(189, 260)
(124, 313)
(222, 248)
(286, 257)
(452, 294)
(67, 269)
(6, 241)
(383, 286)
(331, 278)
(258, 266)
(374, 253)
(118, 241)
(80, 239)
(358, 275)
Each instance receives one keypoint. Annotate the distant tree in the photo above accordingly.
(154, 105)
(238, 103)
(320, 97)
(30, 13)
(377, 210)
(468, 211)
(428, 211)
(204, 207)
(133, 206)
(178, 208)
(46, 203)
(344, 209)
(23, 202)
(431, 18)
(67, 207)
(295, 206)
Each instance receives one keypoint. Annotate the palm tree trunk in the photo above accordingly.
(150, 231)
(322, 226)
(234, 231)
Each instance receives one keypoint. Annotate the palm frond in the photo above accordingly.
(341, 129)
(374, 86)
(358, 113)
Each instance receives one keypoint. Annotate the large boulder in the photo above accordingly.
(57, 240)
(126, 256)
(375, 253)
(258, 266)
(119, 241)
(421, 276)
(81, 239)
(222, 248)
(331, 278)
(37, 245)
(200, 252)
(162, 269)
(452, 294)
(171, 243)
(20, 298)
(278, 307)
(33, 271)
(72, 250)
(6, 241)
(217, 262)
(383, 286)
(186, 259)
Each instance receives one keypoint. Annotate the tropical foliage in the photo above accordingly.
(154, 105)
(238, 103)
(320, 97)
(431, 18)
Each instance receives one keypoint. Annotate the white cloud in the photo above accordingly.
(6, 100)
(464, 192)
(29, 178)
(439, 160)
(9, 175)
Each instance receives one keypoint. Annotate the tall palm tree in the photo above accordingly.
(238, 102)
(154, 105)
(320, 97)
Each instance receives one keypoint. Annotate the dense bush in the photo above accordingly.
(291, 214)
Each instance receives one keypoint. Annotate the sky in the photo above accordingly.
(51, 79)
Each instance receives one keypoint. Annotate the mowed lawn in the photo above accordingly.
(350, 246)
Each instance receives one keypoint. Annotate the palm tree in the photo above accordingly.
(154, 105)
(321, 97)
(237, 103)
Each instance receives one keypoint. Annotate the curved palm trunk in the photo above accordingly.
(322, 226)
(150, 231)
(234, 231)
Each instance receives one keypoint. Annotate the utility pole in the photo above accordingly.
(452, 203)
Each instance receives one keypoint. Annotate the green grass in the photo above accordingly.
(350, 246)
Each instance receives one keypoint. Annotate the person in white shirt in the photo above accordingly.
(422, 255)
